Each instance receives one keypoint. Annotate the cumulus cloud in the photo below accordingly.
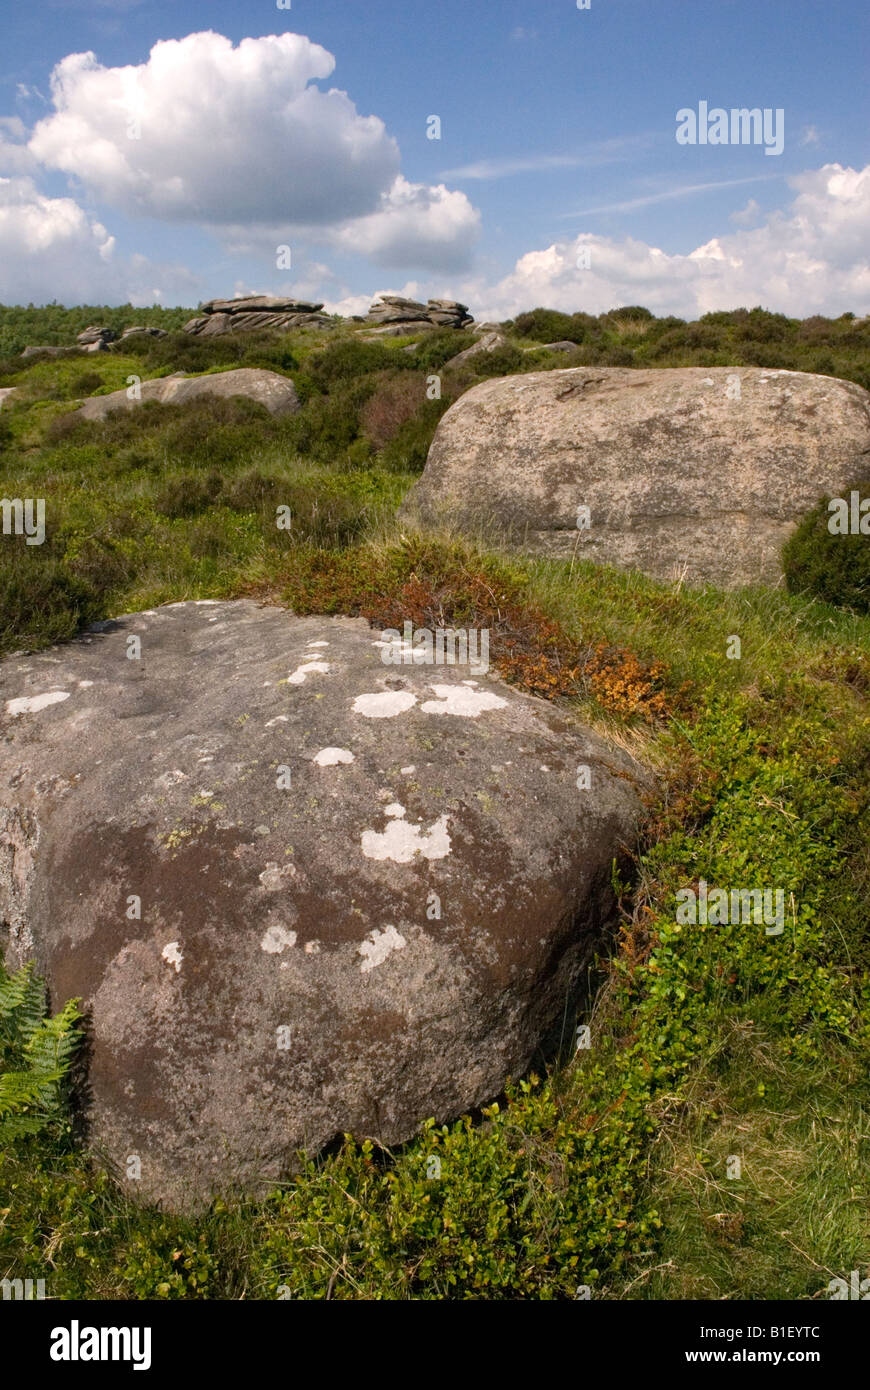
(15, 157)
(50, 248)
(225, 134)
(241, 141)
(415, 225)
(810, 259)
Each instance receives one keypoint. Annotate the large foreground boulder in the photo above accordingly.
(300, 891)
(277, 393)
(696, 471)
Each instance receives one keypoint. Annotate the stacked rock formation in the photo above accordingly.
(392, 316)
(257, 311)
(96, 339)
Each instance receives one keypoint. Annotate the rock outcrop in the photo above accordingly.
(392, 316)
(260, 311)
(136, 330)
(300, 892)
(695, 471)
(95, 339)
(277, 393)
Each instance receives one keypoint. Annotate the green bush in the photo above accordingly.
(634, 313)
(347, 359)
(548, 326)
(436, 349)
(831, 567)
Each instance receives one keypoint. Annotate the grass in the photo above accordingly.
(708, 1043)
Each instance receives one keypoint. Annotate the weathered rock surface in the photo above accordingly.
(700, 469)
(399, 330)
(487, 342)
(437, 313)
(564, 345)
(96, 339)
(277, 393)
(35, 349)
(257, 311)
(301, 892)
(137, 330)
(7, 393)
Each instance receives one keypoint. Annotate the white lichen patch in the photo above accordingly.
(308, 668)
(394, 809)
(401, 841)
(274, 876)
(171, 779)
(171, 953)
(276, 940)
(407, 771)
(318, 644)
(32, 704)
(384, 704)
(85, 685)
(462, 700)
(331, 757)
(378, 945)
(279, 719)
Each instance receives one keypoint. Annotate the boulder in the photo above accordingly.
(277, 393)
(399, 330)
(564, 345)
(7, 393)
(437, 313)
(47, 351)
(487, 342)
(96, 338)
(300, 892)
(136, 330)
(256, 302)
(699, 471)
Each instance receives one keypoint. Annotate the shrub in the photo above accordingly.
(436, 349)
(548, 326)
(346, 359)
(833, 568)
(501, 362)
(635, 313)
(396, 400)
(86, 384)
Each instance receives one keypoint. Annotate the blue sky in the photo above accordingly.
(557, 134)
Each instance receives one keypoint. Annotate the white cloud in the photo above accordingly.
(50, 248)
(669, 195)
(745, 217)
(603, 152)
(15, 157)
(415, 225)
(810, 259)
(239, 140)
(228, 134)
